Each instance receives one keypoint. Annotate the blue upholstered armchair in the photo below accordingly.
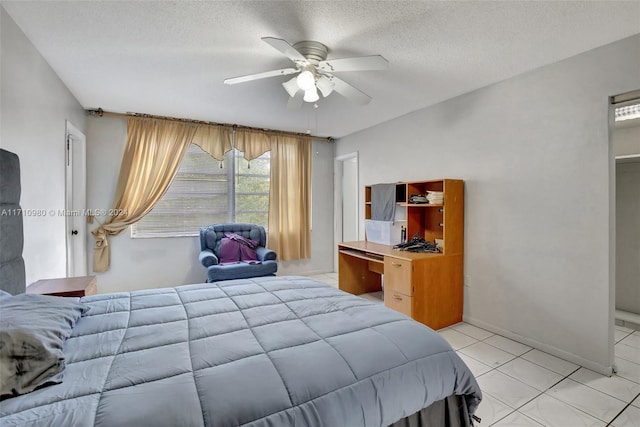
(210, 242)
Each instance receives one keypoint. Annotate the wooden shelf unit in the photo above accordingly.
(425, 286)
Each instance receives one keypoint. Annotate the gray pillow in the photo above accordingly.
(33, 329)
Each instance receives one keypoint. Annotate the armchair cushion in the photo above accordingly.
(212, 258)
(235, 248)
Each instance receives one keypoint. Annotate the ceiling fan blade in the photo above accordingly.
(325, 85)
(351, 93)
(361, 63)
(250, 77)
(284, 47)
(295, 102)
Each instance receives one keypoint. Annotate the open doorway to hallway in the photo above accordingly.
(626, 149)
(625, 146)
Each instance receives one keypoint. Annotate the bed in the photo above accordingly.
(269, 351)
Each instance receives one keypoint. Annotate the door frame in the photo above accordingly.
(75, 140)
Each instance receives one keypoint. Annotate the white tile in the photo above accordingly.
(627, 352)
(373, 297)
(516, 419)
(487, 354)
(628, 370)
(456, 339)
(552, 412)
(477, 368)
(506, 389)
(615, 386)
(623, 328)
(530, 373)
(593, 402)
(472, 331)
(629, 418)
(491, 410)
(632, 340)
(550, 362)
(636, 402)
(510, 346)
(618, 334)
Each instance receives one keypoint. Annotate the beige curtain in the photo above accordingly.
(155, 148)
(253, 143)
(215, 140)
(290, 197)
(152, 156)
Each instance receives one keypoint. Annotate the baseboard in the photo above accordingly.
(628, 319)
(302, 273)
(589, 364)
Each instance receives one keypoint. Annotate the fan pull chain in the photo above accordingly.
(220, 164)
(248, 164)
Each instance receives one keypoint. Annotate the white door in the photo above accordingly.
(76, 202)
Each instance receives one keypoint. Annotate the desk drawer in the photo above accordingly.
(397, 275)
(397, 301)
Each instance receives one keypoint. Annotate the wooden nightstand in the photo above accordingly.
(65, 287)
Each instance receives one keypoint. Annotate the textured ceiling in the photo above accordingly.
(170, 58)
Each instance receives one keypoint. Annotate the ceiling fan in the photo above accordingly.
(315, 72)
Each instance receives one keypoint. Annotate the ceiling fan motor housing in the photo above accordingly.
(313, 51)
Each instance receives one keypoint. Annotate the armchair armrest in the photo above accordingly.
(208, 258)
(265, 254)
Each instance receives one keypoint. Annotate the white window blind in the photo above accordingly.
(206, 191)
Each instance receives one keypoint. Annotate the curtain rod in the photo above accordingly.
(99, 112)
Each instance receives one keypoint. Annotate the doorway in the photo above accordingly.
(75, 203)
(626, 149)
(346, 187)
(628, 239)
(624, 229)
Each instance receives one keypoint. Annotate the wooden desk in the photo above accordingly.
(424, 286)
(65, 287)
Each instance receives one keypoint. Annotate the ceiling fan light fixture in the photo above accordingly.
(325, 86)
(291, 86)
(315, 73)
(306, 80)
(311, 95)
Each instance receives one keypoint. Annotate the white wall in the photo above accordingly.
(34, 107)
(535, 156)
(321, 260)
(626, 138)
(349, 199)
(159, 262)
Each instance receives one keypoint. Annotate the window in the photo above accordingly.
(206, 191)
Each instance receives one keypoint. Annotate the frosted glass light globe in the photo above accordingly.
(311, 95)
(306, 80)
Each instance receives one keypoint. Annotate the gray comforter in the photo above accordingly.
(272, 351)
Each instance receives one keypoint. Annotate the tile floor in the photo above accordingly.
(523, 386)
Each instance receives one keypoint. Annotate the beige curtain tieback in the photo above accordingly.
(101, 250)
